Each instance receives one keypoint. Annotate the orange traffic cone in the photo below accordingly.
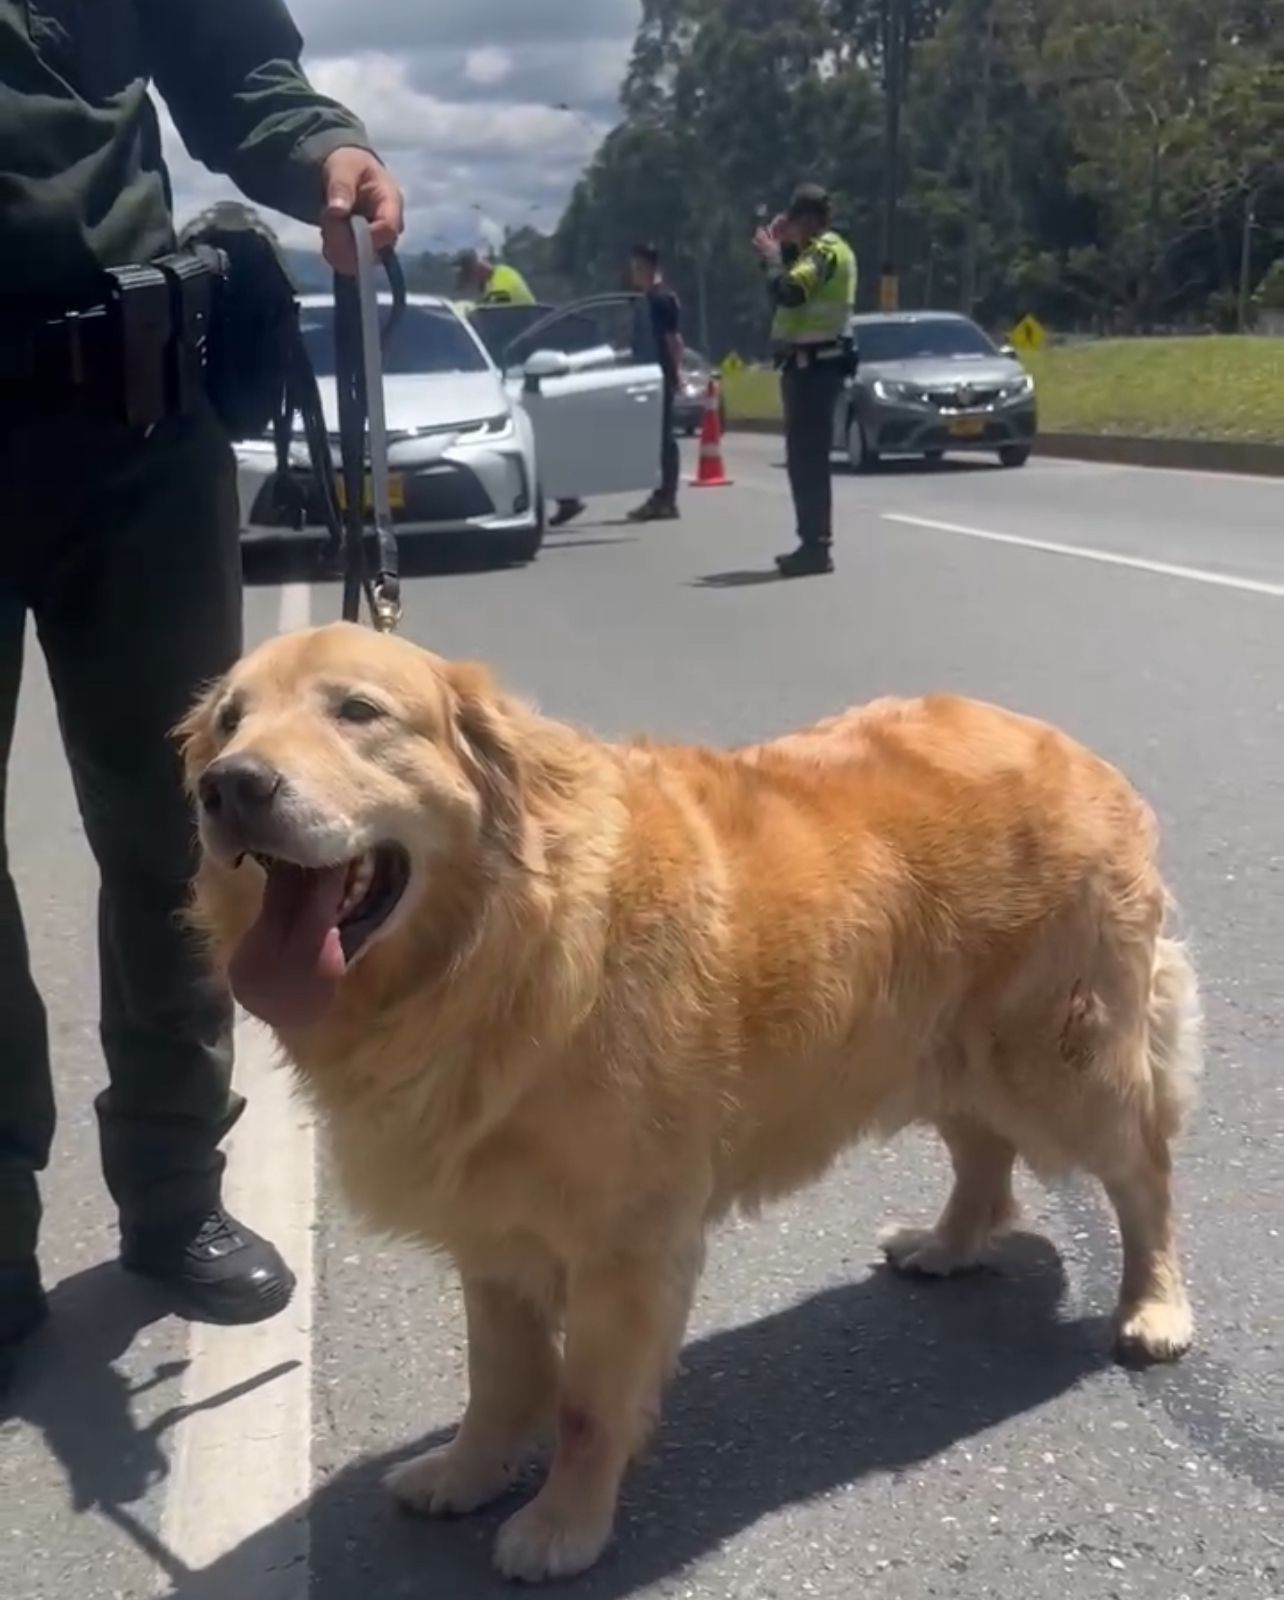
(710, 473)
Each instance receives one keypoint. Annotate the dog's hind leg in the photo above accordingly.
(980, 1205)
(1153, 1321)
(513, 1373)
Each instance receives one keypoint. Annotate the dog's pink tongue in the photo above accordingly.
(286, 967)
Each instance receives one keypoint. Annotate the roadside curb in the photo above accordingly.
(1188, 455)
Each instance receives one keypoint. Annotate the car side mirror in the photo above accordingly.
(1009, 350)
(546, 364)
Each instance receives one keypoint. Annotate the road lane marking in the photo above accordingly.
(241, 1472)
(296, 607)
(1110, 558)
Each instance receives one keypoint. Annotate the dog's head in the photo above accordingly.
(340, 777)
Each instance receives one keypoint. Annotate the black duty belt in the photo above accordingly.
(809, 355)
(133, 356)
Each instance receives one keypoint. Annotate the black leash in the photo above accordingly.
(363, 438)
(363, 435)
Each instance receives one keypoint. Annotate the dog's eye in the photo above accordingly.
(229, 718)
(356, 708)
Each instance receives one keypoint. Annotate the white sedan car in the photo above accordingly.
(477, 449)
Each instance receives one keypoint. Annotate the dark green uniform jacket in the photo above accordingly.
(82, 182)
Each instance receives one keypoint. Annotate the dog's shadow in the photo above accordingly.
(871, 1377)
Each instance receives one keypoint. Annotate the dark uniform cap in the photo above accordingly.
(809, 200)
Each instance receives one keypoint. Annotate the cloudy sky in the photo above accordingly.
(460, 97)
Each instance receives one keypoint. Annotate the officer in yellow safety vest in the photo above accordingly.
(811, 276)
(491, 283)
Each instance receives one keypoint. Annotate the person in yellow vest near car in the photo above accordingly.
(491, 283)
(494, 283)
(811, 276)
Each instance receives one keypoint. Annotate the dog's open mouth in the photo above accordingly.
(313, 925)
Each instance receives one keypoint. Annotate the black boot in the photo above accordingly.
(564, 511)
(656, 509)
(220, 1269)
(807, 561)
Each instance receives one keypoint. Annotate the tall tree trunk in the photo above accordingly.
(895, 47)
(1246, 260)
(980, 143)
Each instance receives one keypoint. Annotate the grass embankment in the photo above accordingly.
(1205, 388)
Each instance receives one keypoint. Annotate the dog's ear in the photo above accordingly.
(195, 737)
(488, 744)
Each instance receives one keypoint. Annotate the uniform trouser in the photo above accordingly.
(670, 462)
(809, 397)
(123, 549)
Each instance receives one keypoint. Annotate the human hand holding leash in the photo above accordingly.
(357, 182)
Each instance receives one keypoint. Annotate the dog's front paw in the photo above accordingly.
(543, 1541)
(923, 1252)
(448, 1482)
(1156, 1330)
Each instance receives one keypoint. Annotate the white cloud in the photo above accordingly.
(488, 67)
(461, 99)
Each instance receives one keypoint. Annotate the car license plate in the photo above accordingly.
(967, 427)
(396, 492)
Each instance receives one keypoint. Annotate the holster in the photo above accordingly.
(253, 323)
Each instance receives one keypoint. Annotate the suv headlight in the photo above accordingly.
(886, 389)
(1019, 388)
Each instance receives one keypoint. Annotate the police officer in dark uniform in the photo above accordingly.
(811, 276)
(120, 539)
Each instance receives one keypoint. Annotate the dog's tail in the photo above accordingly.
(1175, 1035)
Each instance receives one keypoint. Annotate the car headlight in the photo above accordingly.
(492, 428)
(885, 389)
(1019, 388)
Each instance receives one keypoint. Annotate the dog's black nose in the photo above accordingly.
(238, 786)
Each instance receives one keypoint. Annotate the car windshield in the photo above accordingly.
(427, 339)
(933, 337)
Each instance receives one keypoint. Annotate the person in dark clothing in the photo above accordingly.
(665, 318)
(811, 278)
(130, 566)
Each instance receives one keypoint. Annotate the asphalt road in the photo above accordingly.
(834, 1433)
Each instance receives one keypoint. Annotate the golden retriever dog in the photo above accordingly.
(562, 1004)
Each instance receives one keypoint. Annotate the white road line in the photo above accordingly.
(296, 607)
(241, 1472)
(1110, 558)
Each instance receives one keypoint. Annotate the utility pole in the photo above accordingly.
(895, 49)
(929, 285)
(980, 142)
(1246, 260)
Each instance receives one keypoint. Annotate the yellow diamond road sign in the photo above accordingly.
(1029, 334)
(732, 364)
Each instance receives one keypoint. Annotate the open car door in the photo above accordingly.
(588, 378)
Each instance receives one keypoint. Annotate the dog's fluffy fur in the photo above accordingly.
(632, 986)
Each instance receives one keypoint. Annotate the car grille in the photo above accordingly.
(962, 399)
(449, 493)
